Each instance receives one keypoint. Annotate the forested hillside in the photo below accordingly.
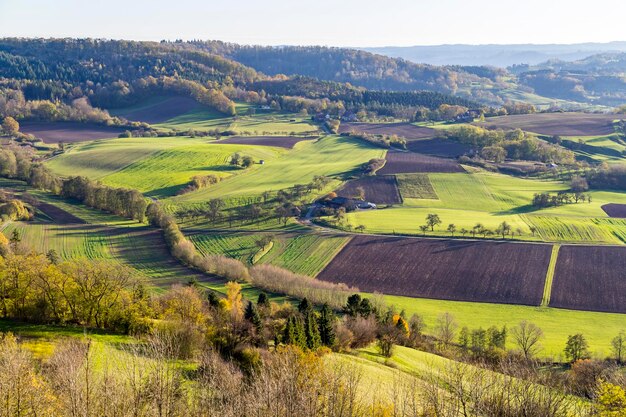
(113, 74)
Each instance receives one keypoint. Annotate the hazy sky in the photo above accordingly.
(325, 22)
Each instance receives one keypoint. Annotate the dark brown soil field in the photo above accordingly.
(160, 111)
(287, 142)
(438, 147)
(58, 215)
(69, 132)
(406, 130)
(615, 210)
(562, 124)
(494, 272)
(409, 162)
(382, 189)
(590, 278)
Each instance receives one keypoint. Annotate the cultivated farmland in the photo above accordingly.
(438, 147)
(409, 162)
(69, 132)
(58, 215)
(563, 124)
(497, 272)
(590, 278)
(287, 142)
(405, 130)
(415, 186)
(306, 253)
(615, 210)
(380, 189)
(159, 109)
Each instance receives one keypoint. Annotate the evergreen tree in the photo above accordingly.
(365, 308)
(464, 337)
(305, 306)
(327, 330)
(294, 332)
(263, 301)
(353, 305)
(213, 299)
(313, 339)
(252, 315)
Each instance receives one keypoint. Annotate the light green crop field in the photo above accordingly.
(332, 156)
(159, 167)
(557, 324)
(69, 241)
(305, 253)
(260, 124)
(465, 199)
(415, 186)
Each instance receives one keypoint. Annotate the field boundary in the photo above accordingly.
(547, 289)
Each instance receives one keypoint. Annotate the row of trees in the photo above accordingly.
(503, 229)
(19, 163)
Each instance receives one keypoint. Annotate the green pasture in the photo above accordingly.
(303, 253)
(557, 324)
(333, 156)
(260, 124)
(159, 167)
(465, 199)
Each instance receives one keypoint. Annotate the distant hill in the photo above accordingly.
(496, 55)
(596, 79)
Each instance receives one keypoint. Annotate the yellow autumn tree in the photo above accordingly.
(234, 300)
(611, 400)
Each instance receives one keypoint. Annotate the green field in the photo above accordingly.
(158, 167)
(557, 324)
(326, 156)
(261, 124)
(306, 253)
(488, 198)
(417, 186)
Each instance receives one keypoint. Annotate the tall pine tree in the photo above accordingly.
(313, 340)
(294, 332)
(252, 315)
(327, 330)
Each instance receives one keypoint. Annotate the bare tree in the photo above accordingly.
(527, 337)
(618, 346)
(446, 328)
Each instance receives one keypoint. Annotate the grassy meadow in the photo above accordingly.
(465, 199)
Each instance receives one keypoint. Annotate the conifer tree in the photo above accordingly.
(305, 306)
(252, 315)
(327, 331)
(263, 301)
(313, 340)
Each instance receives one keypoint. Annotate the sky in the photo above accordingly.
(321, 22)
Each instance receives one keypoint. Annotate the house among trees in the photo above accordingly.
(349, 204)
